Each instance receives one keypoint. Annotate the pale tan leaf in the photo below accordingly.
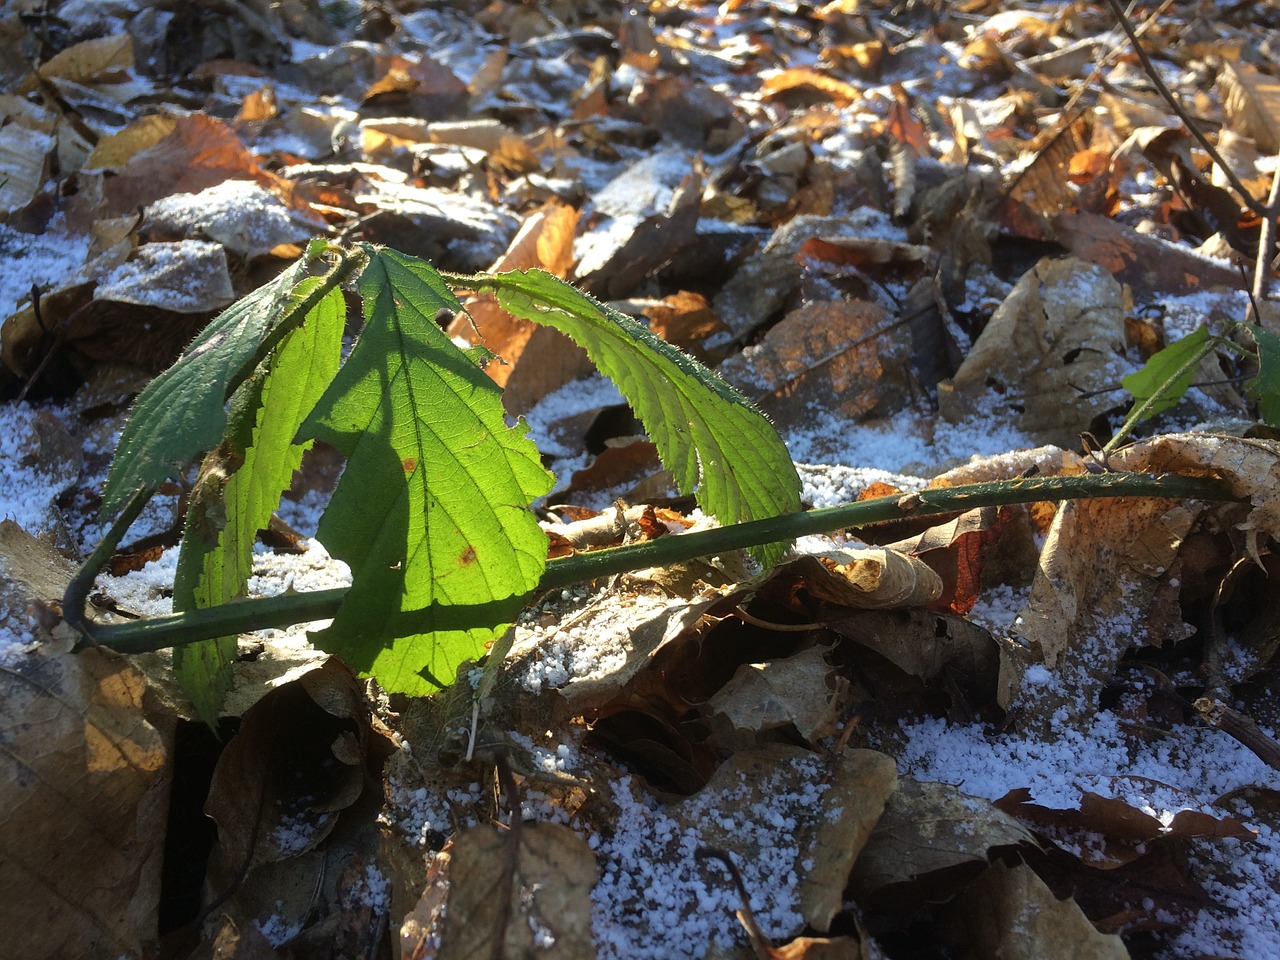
(791, 692)
(24, 154)
(90, 59)
(1252, 101)
(1048, 357)
(862, 783)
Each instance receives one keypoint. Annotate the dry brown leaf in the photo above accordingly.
(762, 285)
(85, 795)
(1151, 266)
(295, 764)
(242, 216)
(862, 782)
(1049, 355)
(626, 250)
(117, 149)
(519, 892)
(925, 644)
(1107, 833)
(545, 240)
(190, 276)
(1010, 913)
(1044, 186)
(89, 60)
(806, 78)
(683, 318)
(24, 154)
(1102, 564)
(1252, 101)
(793, 692)
(843, 357)
(929, 827)
(198, 152)
(957, 551)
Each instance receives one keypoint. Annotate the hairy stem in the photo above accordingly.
(279, 611)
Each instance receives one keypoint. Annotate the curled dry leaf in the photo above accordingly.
(867, 578)
(1048, 356)
(519, 892)
(295, 765)
(1106, 832)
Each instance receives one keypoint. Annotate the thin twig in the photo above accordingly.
(1250, 201)
(1267, 243)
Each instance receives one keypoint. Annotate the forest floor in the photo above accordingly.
(928, 240)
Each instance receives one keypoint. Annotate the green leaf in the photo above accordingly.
(181, 414)
(712, 439)
(432, 512)
(1164, 379)
(240, 485)
(1265, 387)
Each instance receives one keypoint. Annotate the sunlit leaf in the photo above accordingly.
(715, 443)
(1168, 374)
(432, 512)
(226, 512)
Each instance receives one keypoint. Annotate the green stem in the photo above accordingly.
(73, 600)
(279, 611)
